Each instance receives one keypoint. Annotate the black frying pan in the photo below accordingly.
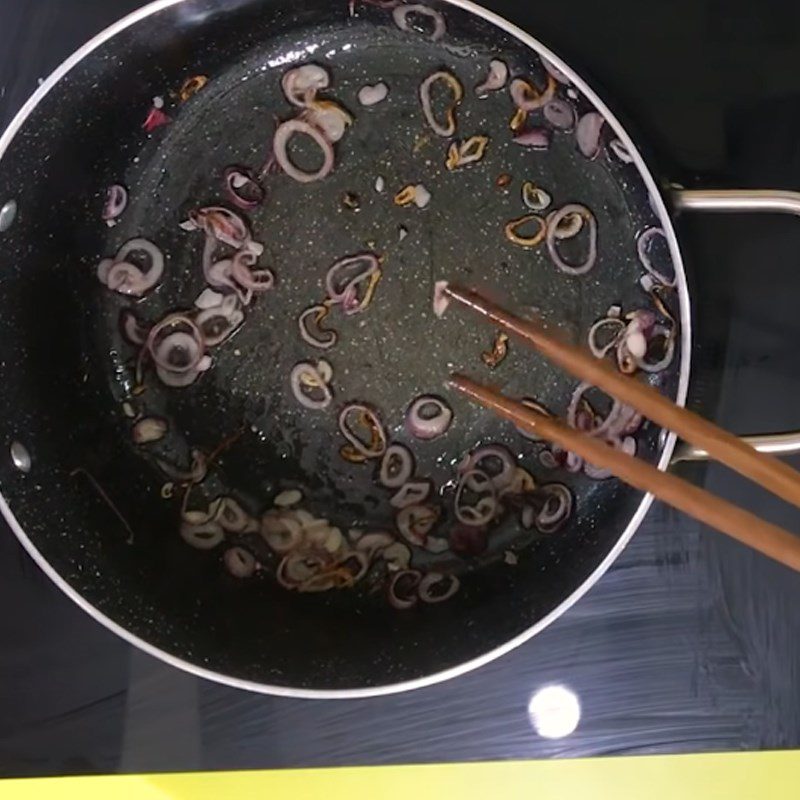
(70, 375)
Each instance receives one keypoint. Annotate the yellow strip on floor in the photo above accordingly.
(730, 776)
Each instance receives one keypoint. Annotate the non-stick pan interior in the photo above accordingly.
(68, 371)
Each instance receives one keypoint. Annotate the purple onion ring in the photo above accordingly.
(422, 424)
(284, 132)
(550, 239)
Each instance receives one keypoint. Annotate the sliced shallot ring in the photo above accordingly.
(457, 90)
(601, 350)
(528, 97)
(228, 317)
(281, 532)
(200, 532)
(241, 270)
(305, 375)
(424, 426)
(550, 519)
(414, 523)
(402, 589)
(411, 494)
(127, 278)
(239, 562)
(349, 272)
(472, 463)
(329, 117)
(115, 203)
(551, 239)
(285, 131)
(495, 79)
(132, 329)
(233, 517)
(643, 244)
(401, 13)
(485, 509)
(375, 448)
(560, 114)
(155, 348)
(587, 133)
(372, 544)
(620, 151)
(660, 331)
(325, 338)
(514, 225)
(553, 70)
(221, 223)
(397, 466)
(430, 587)
(534, 197)
(300, 84)
(242, 188)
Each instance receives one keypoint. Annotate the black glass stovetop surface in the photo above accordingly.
(690, 642)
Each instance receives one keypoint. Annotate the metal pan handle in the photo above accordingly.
(733, 201)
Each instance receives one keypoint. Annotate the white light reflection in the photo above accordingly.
(554, 711)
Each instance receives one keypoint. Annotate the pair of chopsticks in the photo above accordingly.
(721, 445)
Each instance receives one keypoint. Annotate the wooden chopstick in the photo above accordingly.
(765, 470)
(747, 528)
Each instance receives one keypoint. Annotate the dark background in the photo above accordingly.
(689, 643)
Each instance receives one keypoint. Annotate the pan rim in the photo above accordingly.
(659, 208)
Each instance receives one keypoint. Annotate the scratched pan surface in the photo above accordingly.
(66, 371)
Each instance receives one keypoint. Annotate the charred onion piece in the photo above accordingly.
(498, 352)
(191, 86)
(457, 91)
